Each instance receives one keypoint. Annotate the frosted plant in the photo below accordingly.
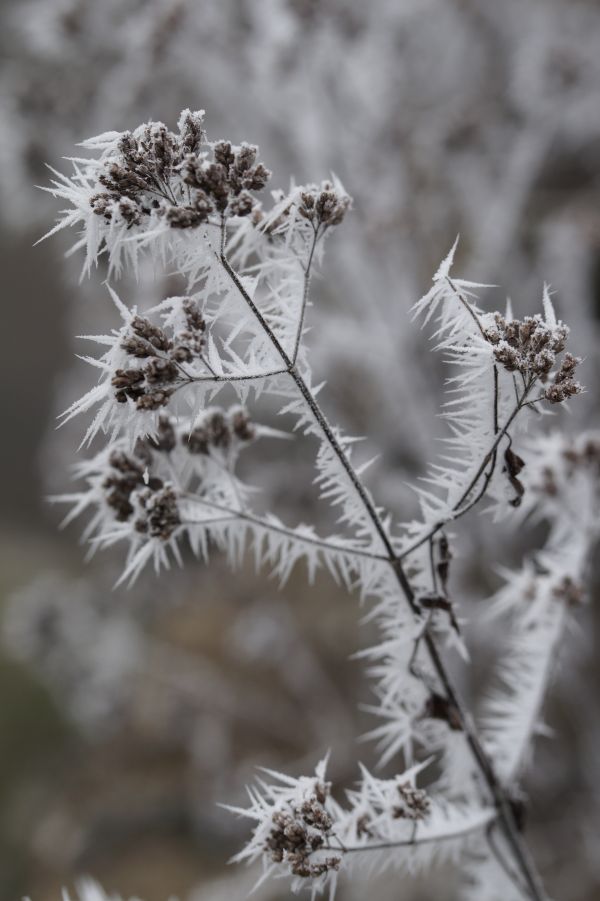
(480, 155)
(168, 475)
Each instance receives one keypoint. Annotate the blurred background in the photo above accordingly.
(125, 716)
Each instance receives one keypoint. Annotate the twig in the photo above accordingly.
(234, 514)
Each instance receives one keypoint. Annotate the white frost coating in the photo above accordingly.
(168, 477)
(561, 479)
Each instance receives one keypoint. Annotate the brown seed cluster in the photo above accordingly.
(173, 176)
(160, 513)
(296, 835)
(584, 455)
(569, 591)
(323, 206)
(218, 430)
(139, 179)
(564, 384)
(363, 826)
(152, 384)
(530, 346)
(414, 803)
(134, 494)
(165, 439)
(126, 476)
(127, 492)
(225, 184)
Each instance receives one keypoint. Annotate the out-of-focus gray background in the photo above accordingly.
(126, 716)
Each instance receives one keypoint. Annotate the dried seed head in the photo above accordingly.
(102, 205)
(195, 319)
(143, 328)
(160, 371)
(243, 204)
(137, 347)
(218, 430)
(165, 438)
(198, 441)
(126, 477)
(323, 206)
(530, 346)
(296, 835)
(154, 400)
(570, 591)
(242, 427)
(564, 384)
(224, 154)
(414, 803)
(161, 511)
(155, 171)
(128, 384)
(186, 216)
(192, 135)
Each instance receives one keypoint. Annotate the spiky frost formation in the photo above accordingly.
(501, 366)
(302, 832)
(153, 181)
(157, 189)
(561, 480)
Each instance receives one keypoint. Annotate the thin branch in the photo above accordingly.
(503, 863)
(247, 377)
(413, 841)
(235, 514)
(467, 306)
(305, 292)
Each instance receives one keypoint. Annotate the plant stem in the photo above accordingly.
(305, 291)
(234, 514)
(505, 814)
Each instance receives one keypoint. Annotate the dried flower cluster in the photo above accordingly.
(174, 176)
(322, 205)
(295, 836)
(570, 591)
(218, 431)
(564, 384)
(168, 484)
(414, 803)
(151, 384)
(572, 460)
(132, 494)
(530, 346)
